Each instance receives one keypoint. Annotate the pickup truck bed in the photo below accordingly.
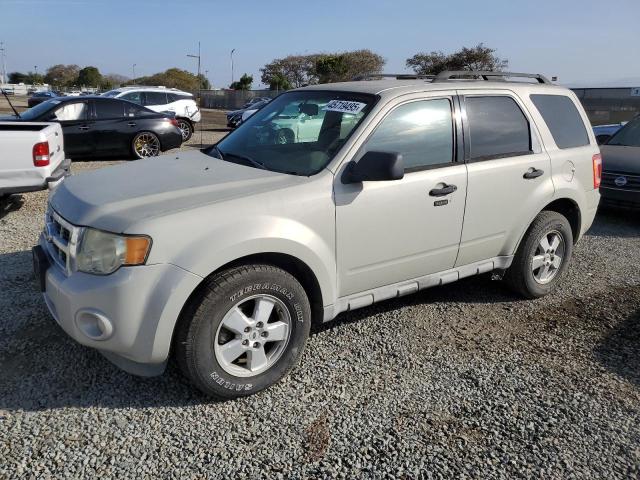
(25, 167)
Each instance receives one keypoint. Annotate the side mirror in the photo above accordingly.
(375, 167)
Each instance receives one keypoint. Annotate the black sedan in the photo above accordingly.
(100, 126)
(621, 167)
(39, 97)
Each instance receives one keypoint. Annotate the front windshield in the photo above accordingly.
(35, 112)
(297, 133)
(111, 93)
(628, 136)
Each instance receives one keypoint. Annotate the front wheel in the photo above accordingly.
(186, 129)
(542, 257)
(145, 144)
(244, 331)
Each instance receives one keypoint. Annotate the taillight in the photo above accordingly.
(174, 122)
(41, 154)
(597, 170)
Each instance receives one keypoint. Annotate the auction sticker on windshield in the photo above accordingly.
(344, 106)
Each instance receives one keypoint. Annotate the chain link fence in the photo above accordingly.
(232, 99)
(609, 105)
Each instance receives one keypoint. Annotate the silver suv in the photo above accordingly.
(330, 198)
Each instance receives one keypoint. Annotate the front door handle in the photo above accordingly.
(441, 192)
(533, 173)
(132, 124)
(84, 127)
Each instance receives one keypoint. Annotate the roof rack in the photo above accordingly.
(452, 74)
(397, 76)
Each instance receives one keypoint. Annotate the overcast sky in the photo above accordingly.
(583, 42)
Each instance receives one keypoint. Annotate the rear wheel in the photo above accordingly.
(146, 144)
(185, 128)
(244, 331)
(542, 257)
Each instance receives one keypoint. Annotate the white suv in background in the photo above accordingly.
(162, 99)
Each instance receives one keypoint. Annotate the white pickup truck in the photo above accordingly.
(31, 157)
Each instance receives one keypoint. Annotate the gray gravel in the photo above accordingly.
(460, 381)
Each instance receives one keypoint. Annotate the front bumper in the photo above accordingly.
(618, 197)
(128, 316)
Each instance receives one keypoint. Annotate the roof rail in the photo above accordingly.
(397, 76)
(452, 74)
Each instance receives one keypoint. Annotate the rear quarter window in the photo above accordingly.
(563, 119)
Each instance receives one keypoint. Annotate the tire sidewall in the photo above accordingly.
(215, 306)
(561, 225)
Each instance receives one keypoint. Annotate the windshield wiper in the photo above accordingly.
(250, 160)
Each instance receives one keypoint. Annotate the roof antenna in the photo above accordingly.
(10, 104)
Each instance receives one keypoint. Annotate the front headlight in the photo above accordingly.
(103, 253)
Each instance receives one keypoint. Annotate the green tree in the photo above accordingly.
(18, 77)
(171, 78)
(475, 58)
(62, 75)
(297, 70)
(204, 82)
(279, 82)
(331, 68)
(89, 77)
(244, 83)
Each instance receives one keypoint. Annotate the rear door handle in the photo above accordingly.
(84, 127)
(132, 124)
(441, 192)
(533, 173)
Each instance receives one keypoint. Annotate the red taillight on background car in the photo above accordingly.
(174, 122)
(41, 154)
(597, 170)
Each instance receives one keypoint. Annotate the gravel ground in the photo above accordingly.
(459, 381)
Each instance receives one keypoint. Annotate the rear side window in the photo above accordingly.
(421, 131)
(155, 98)
(106, 109)
(563, 119)
(135, 97)
(497, 128)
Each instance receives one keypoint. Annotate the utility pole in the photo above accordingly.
(134, 73)
(232, 65)
(198, 57)
(3, 57)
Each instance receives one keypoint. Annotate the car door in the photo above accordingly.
(509, 173)
(392, 231)
(112, 129)
(156, 101)
(77, 127)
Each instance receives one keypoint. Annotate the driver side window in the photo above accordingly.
(421, 131)
(71, 111)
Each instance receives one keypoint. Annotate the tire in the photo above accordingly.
(526, 275)
(186, 128)
(146, 144)
(285, 136)
(203, 334)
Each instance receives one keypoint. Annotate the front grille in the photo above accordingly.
(632, 181)
(61, 240)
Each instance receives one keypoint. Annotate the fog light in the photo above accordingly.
(94, 324)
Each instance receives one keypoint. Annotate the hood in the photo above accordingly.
(621, 159)
(113, 198)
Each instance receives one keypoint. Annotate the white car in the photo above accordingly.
(32, 157)
(161, 99)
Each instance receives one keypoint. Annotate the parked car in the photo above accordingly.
(98, 126)
(160, 99)
(621, 167)
(73, 93)
(604, 132)
(234, 118)
(33, 157)
(39, 97)
(226, 256)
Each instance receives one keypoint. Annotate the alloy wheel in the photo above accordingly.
(252, 336)
(548, 257)
(146, 145)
